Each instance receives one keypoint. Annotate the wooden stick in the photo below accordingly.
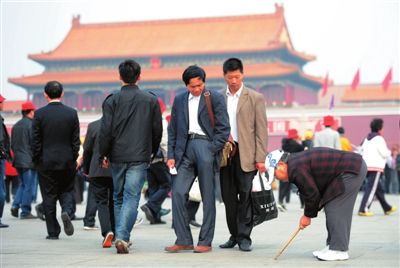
(287, 243)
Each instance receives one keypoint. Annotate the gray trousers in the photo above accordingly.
(339, 211)
(198, 160)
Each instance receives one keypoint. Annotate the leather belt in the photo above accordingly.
(193, 136)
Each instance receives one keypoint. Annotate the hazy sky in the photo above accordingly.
(344, 35)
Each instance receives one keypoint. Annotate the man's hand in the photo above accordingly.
(105, 163)
(171, 163)
(304, 222)
(260, 166)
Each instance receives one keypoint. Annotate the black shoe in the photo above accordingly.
(50, 237)
(164, 211)
(68, 227)
(195, 223)
(245, 245)
(14, 212)
(149, 214)
(228, 244)
(28, 217)
(159, 222)
(39, 212)
(2, 225)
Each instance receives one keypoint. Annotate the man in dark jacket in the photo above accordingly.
(130, 134)
(194, 147)
(329, 179)
(55, 149)
(101, 183)
(21, 145)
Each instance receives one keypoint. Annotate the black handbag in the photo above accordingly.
(264, 205)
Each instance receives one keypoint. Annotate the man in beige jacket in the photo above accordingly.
(248, 120)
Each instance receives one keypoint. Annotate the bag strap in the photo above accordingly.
(207, 98)
(261, 181)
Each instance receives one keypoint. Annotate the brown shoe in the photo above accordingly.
(202, 249)
(177, 248)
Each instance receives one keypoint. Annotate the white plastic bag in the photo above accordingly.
(194, 193)
(257, 185)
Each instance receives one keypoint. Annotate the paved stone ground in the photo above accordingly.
(374, 243)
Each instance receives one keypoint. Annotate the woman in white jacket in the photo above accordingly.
(375, 153)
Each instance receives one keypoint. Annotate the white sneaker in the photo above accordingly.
(139, 221)
(333, 255)
(281, 207)
(317, 252)
(90, 228)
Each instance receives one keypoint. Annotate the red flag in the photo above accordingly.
(356, 80)
(325, 85)
(388, 79)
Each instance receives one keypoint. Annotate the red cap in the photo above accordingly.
(28, 105)
(328, 120)
(292, 134)
(2, 98)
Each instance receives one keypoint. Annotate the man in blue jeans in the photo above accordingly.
(21, 144)
(4, 154)
(130, 133)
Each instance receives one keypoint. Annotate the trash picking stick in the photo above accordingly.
(287, 243)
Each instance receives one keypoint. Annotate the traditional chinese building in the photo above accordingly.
(86, 61)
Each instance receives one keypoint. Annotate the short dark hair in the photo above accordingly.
(193, 71)
(376, 124)
(25, 112)
(53, 89)
(340, 130)
(129, 71)
(232, 64)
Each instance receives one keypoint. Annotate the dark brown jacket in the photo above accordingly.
(318, 175)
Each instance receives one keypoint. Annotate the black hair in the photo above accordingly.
(129, 71)
(340, 130)
(53, 89)
(232, 64)
(193, 71)
(25, 112)
(376, 124)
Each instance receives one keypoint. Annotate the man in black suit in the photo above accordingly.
(194, 145)
(55, 150)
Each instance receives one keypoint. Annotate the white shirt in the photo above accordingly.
(375, 153)
(193, 103)
(232, 103)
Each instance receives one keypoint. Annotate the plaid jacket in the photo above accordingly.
(317, 174)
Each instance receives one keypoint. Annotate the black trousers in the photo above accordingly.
(284, 191)
(102, 188)
(11, 182)
(159, 183)
(91, 208)
(192, 207)
(236, 187)
(56, 185)
(373, 189)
